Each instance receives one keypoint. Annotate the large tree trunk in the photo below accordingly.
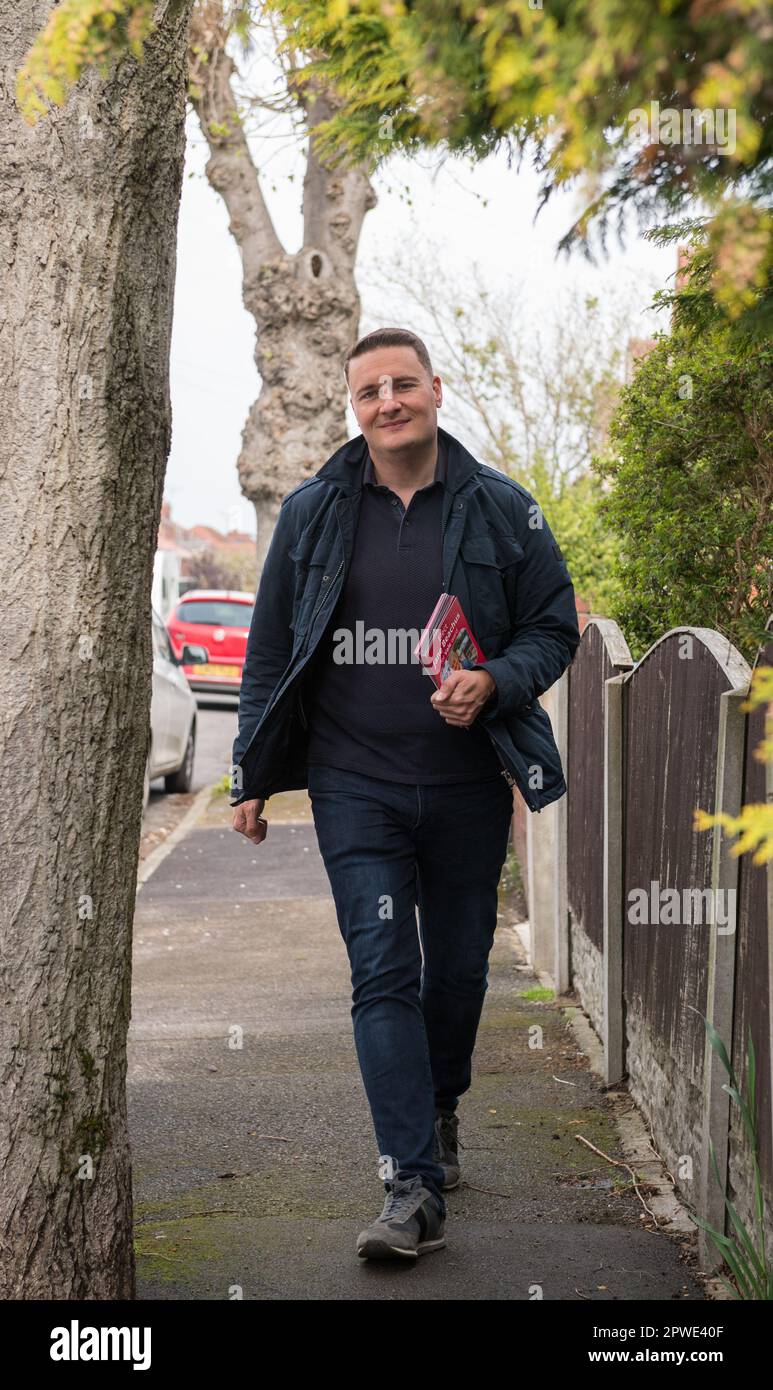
(88, 202)
(306, 306)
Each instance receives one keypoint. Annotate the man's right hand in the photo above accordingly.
(248, 821)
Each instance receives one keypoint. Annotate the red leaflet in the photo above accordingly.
(447, 642)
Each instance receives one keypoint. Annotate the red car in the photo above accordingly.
(219, 620)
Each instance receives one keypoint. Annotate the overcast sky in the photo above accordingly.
(479, 215)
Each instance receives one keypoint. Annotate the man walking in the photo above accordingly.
(410, 787)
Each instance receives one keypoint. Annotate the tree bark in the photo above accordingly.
(306, 306)
(88, 209)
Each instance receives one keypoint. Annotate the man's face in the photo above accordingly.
(394, 399)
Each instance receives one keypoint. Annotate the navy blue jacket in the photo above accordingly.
(500, 560)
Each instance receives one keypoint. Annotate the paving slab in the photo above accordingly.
(254, 1157)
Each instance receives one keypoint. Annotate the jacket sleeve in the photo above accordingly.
(546, 634)
(270, 640)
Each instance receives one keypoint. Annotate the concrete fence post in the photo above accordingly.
(561, 920)
(769, 799)
(541, 858)
(721, 974)
(614, 879)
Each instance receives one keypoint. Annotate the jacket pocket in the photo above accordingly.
(490, 564)
(532, 733)
(498, 551)
(306, 549)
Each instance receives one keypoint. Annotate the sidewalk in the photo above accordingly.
(257, 1167)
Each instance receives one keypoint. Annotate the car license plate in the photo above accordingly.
(210, 669)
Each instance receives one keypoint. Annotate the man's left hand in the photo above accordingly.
(462, 695)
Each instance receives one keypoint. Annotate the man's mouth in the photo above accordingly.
(393, 424)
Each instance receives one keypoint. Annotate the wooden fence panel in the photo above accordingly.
(672, 722)
(752, 988)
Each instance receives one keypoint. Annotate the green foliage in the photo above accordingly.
(754, 823)
(571, 85)
(471, 74)
(700, 302)
(690, 485)
(79, 34)
(573, 508)
(747, 1261)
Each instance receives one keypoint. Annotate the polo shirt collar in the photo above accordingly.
(344, 469)
(440, 476)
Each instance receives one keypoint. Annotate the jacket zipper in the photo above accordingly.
(324, 596)
(283, 687)
(301, 710)
(281, 690)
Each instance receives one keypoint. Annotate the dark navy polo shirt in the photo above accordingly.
(377, 718)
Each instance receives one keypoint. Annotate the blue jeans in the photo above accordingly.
(389, 847)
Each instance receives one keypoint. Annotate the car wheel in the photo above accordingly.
(182, 779)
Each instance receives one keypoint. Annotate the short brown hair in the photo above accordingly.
(389, 337)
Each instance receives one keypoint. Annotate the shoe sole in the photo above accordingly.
(378, 1249)
(449, 1186)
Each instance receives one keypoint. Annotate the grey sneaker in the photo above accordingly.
(445, 1150)
(409, 1225)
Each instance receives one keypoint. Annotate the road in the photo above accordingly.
(216, 730)
(215, 733)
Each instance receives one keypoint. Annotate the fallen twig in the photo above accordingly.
(618, 1164)
(489, 1191)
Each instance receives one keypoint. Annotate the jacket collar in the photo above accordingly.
(346, 467)
(369, 475)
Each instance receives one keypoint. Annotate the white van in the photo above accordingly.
(172, 715)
